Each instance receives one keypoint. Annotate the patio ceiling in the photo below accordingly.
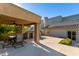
(10, 13)
(10, 20)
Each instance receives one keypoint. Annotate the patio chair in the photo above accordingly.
(18, 40)
(4, 41)
(1, 44)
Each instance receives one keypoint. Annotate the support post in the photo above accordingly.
(37, 33)
(22, 28)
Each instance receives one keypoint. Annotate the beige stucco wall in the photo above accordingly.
(58, 33)
(77, 36)
(61, 32)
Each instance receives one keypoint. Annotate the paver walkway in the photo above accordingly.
(52, 43)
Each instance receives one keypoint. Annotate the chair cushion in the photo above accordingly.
(19, 37)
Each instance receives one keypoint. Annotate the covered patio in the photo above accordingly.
(10, 13)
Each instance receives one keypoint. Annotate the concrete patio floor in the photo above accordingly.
(30, 49)
(53, 43)
(48, 46)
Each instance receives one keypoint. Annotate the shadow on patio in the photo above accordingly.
(31, 49)
(51, 52)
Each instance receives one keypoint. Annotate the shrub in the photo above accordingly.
(66, 41)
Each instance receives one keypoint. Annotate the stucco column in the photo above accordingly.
(37, 33)
(22, 28)
(46, 31)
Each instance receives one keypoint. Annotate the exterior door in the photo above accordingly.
(74, 35)
(69, 34)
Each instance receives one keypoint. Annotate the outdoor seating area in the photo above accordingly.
(13, 20)
(30, 49)
(12, 41)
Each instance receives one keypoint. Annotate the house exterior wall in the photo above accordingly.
(77, 36)
(58, 33)
(62, 31)
(61, 27)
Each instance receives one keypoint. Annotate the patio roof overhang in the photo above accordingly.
(10, 20)
(10, 13)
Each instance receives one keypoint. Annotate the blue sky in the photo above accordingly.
(52, 9)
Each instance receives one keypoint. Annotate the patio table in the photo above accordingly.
(12, 38)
